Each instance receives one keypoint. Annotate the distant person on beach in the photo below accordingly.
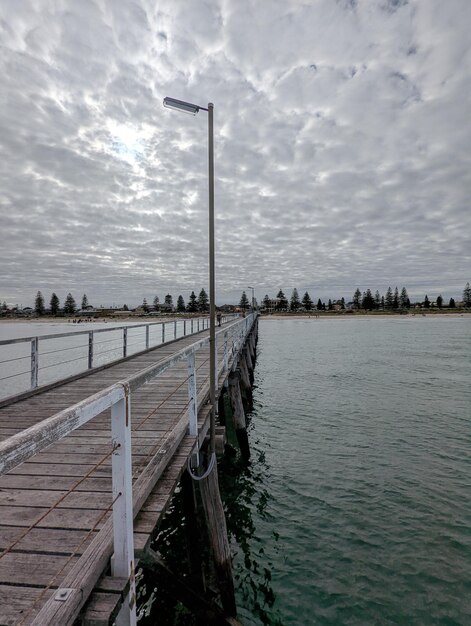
(219, 316)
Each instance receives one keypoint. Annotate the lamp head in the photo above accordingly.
(180, 105)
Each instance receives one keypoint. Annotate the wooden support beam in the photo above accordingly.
(238, 414)
(245, 381)
(205, 611)
(249, 362)
(216, 522)
(222, 407)
(192, 532)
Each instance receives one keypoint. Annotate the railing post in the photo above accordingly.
(175, 329)
(34, 362)
(193, 403)
(184, 328)
(198, 325)
(216, 377)
(163, 332)
(147, 336)
(226, 356)
(191, 325)
(125, 342)
(122, 563)
(90, 350)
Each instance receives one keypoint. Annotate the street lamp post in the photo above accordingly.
(253, 297)
(192, 109)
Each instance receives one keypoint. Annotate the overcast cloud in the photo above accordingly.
(343, 143)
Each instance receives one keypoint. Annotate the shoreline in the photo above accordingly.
(349, 316)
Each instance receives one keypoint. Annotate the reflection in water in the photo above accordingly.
(243, 492)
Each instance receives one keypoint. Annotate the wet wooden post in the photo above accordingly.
(249, 362)
(217, 529)
(192, 532)
(238, 414)
(222, 407)
(245, 380)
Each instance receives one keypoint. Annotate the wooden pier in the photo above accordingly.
(88, 468)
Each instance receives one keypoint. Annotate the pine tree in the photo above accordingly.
(403, 298)
(84, 301)
(452, 303)
(426, 302)
(282, 303)
(169, 300)
(439, 301)
(319, 305)
(342, 301)
(69, 305)
(39, 304)
(180, 304)
(396, 298)
(356, 299)
(54, 304)
(156, 302)
(145, 306)
(382, 302)
(307, 302)
(267, 302)
(244, 301)
(192, 303)
(203, 301)
(294, 302)
(389, 298)
(377, 300)
(467, 296)
(330, 306)
(368, 302)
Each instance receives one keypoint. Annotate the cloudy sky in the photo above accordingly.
(342, 137)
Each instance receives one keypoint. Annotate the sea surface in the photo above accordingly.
(356, 507)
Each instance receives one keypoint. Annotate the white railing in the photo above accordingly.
(22, 446)
(86, 355)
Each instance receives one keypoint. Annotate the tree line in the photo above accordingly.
(195, 303)
(69, 308)
(392, 300)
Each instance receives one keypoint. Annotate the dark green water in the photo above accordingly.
(355, 508)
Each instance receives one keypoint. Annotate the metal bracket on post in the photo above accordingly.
(122, 563)
(34, 362)
(193, 406)
(90, 350)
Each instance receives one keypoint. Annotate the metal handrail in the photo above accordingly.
(122, 347)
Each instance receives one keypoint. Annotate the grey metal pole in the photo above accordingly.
(212, 283)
